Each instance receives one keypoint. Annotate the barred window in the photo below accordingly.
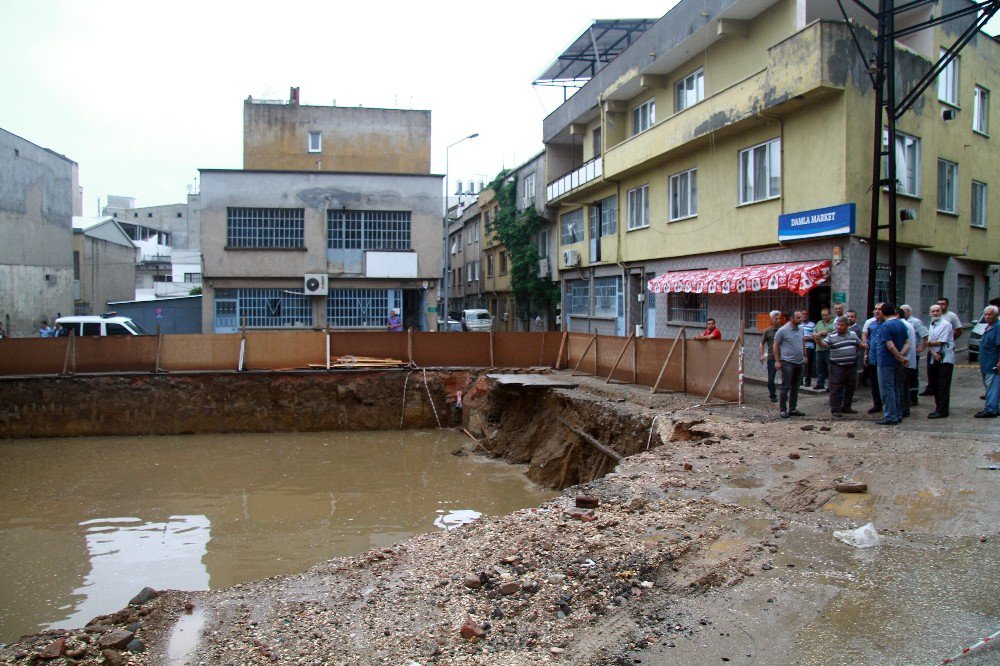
(606, 296)
(691, 308)
(265, 227)
(273, 308)
(578, 297)
(763, 302)
(571, 227)
(362, 308)
(368, 230)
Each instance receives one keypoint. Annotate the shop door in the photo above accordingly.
(227, 315)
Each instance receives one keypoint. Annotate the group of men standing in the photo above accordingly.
(885, 349)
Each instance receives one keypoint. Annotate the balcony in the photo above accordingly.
(807, 66)
(587, 173)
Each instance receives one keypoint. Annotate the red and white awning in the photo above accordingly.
(798, 278)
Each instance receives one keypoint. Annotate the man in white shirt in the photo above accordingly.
(940, 361)
(956, 325)
(916, 344)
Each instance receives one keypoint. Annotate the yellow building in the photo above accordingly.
(741, 134)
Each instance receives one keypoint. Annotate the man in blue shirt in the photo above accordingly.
(989, 362)
(893, 344)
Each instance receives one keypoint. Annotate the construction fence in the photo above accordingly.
(709, 368)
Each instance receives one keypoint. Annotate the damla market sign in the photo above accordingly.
(832, 221)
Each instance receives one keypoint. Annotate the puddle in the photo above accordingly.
(184, 636)
(745, 482)
(860, 506)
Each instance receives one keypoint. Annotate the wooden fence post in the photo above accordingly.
(666, 361)
(541, 352)
(622, 354)
(562, 346)
(492, 362)
(737, 343)
(593, 341)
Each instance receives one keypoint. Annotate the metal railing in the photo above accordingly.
(587, 172)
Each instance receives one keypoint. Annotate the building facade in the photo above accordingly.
(740, 135)
(324, 246)
(104, 264)
(39, 195)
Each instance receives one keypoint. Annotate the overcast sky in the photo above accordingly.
(142, 94)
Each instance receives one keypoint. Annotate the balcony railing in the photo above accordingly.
(582, 175)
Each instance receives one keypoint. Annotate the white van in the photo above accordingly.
(476, 320)
(100, 325)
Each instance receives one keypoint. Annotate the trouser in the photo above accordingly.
(931, 381)
(810, 366)
(872, 372)
(842, 384)
(791, 377)
(913, 381)
(940, 375)
(822, 367)
(992, 393)
(887, 380)
(772, 390)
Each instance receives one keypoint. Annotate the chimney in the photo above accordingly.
(293, 96)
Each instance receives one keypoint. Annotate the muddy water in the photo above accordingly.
(85, 523)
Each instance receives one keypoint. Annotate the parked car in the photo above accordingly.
(100, 325)
(477, 320)
(975, 335)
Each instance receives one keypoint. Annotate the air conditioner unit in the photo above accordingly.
(543, 268)
(314, 284)
(571, 258)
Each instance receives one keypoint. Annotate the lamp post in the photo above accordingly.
(446, 262)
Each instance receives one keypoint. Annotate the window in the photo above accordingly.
(578, 296)
(760, 172)
(597, 141)
(981, 110)
(163, 278)
(684, 195)
(272, 308)
(638, 208)
(265, 227)
(472, 272)
(149, 215)
(688, 307)
(192, 277)
(931, 289)
(907, 163)
(689, 90)
(963, 304)
(604, 217)
(116, 329)
(362, 308)
(882, 285)
(503, 262)
(606, 296)
(948, 82)
(763, 302)
(571, 227)
(643, 116)
(543, 244)
(947, 190)
(315, 142)
(528, 197)
(179, 215)
(978, 204)
(489, 265)
(369, 230)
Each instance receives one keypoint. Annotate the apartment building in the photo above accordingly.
(737, 136)
(104, 264)
(465, 260)
(39, 195)
(324, 226)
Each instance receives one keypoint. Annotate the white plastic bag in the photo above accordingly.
(863, 537)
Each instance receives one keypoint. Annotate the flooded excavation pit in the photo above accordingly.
(87, 522)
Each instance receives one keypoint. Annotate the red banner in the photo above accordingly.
(798, 278)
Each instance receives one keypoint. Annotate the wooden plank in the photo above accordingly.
(684, 365)
(492, 363)
(666, 361)
(541, 352)
(593, 341)
(70, 349)
(593, 442)
(159, 348)
(622, 354)
(737, 343)
(409, 344)
(562, 346)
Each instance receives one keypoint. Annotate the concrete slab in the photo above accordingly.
(541, 381)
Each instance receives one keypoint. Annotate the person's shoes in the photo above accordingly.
(885, 422)
(819, 387)
(838, 414)
(849, 411)
(926, 392)
(874, 410)
(906, 414)
(784, 415)
(796, 412)
(774, 398)
(936, 415)
(980, 415)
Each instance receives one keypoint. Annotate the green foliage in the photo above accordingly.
(195, 291)
(517, 230)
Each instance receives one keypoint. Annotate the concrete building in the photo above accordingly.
(739, 134)
(323, 247)
(104, 259)
(465, 260)
(39, 194)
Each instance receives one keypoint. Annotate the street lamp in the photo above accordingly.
(446, 262)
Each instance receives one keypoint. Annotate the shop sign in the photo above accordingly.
(432, 309)
(840, 297)
(831, 221)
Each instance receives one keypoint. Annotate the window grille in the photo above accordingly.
(368, 230)
(273, 308)
(763, 302)
(362, 308)
(578, 292)
(606, 296)
(265, 227)
(571, 227)
(691, 308)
